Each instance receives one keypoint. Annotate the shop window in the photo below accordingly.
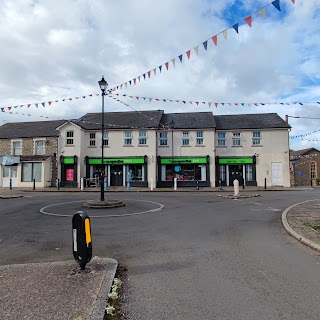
(199, 138)
(313, 170)
(185, 138)
(105, 138)
(222, 171)
(69, 137)
(30, 171)
(256, 138)
(16, 148)
(5, 172)
(128, 138)
(163, 138)
(135, 172)
(183, 172)
(92, 139)
(236, 139)
(221, 138)
(39, 147)
(143, 137)
(249, 172)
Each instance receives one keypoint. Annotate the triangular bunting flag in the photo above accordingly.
(139, 78)
(150, 99)
(50, 102)
(160, 68)
(137, 98)
(90, 95)
(236, 104)
(293, 1)
(167, 65)
(188, 54)
(174, 62)
(2, 109)
(177, 100)
(71, 98)
(222, 103)
(203, 102)
(190, 102)
(248, 20)
(215, 39)
(29, 105)
(134, 81)
(196, 49)
(225, 33)
(216, 104)
(43, 104)
(236, 27)
(155, 71)
(157, 99)
(276, 4)
(126, 84)
(184, 102)
(180, 57)
(130, 82)
(9, 108)
(209, 103)
(63, 99)
(205, 45)
(149, 74)
(144, 76)
(36, 104)
(197, 103)
(262, 12)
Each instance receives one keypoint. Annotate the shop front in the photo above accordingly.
(118, 171)
(229, 169)
(187, 171)
(68, 171)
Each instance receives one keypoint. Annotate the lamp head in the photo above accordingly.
(103, 84)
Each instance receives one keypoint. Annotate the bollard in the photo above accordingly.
(175, 184)
(236, 187)
(265, 183)
(82, 184)
(151, 184)
(105, 183)
(220, 184)
(10, 184)
(34, 184)
(197, 184)
(58, 184)
(81, 239)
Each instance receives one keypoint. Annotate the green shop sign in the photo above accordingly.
(236, 161)
(184, 161)
(118, 161)
(68, 160)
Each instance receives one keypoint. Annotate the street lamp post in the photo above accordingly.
(103, 86)
(172, 124)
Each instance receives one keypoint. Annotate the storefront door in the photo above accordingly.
(116, 175)
(235, 172)
(7, 174)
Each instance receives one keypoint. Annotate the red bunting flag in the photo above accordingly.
(167, 65)
(50, 102)
(29, 105)
(215, 39)
(149, 73)
(293, 1)
(248, 21)
(188, 54)
(137, 98)
(9, 108)
(134, 81)
(216, 104)
(197, 103)
(236, 104)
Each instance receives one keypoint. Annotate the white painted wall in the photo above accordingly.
(274, 148)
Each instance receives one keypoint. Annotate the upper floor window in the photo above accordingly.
(128, 137)
(199, 137)
(236, 139)
(256, 138)
(313, 170)
(142, 137)
(16, 148)
(163, 138)
(39, 147)
(92, 139)
(70, 137)
(221, 138)
(185, 138)
(105, 138)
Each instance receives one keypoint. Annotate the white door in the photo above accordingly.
(7, 174)
(277, 179)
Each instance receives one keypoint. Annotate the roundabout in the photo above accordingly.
(128, 207)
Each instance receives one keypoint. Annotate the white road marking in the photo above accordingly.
(273, 209)
(258, 204)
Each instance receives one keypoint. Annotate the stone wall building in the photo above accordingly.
(304, 167)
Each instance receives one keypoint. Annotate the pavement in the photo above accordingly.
(55, 290)
(302, 221)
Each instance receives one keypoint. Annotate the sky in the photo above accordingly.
(54, 50)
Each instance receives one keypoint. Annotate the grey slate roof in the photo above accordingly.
(250, 121)
(15, 130)
(121, 120)
(302, 152)
(191, 120)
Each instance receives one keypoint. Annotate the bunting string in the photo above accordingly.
(304, 135)
(204, 44)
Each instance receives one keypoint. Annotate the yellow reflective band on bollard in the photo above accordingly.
(87, 229)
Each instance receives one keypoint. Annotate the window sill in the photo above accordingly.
(257, 145)
(92, 146)
(221, 146)
(236, 146)
(200, 145)
(128, 145)
(143, 145)
(163, 146)
(69, 145)
(183, 146)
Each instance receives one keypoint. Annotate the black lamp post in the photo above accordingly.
(103, 86)
(172, 124)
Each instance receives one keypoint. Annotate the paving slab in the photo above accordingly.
(55, 291)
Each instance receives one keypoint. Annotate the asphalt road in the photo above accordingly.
(200, 257)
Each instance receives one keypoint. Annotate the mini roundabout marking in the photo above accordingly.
(139, 207)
